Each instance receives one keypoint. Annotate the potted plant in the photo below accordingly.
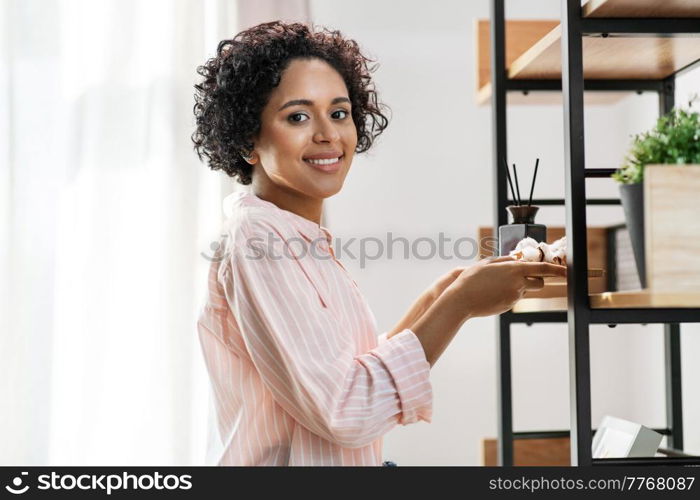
(674, 140)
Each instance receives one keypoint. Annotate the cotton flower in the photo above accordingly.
(529, 250)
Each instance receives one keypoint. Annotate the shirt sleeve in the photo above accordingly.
(307, 361)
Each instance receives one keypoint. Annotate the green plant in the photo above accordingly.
(674, 140)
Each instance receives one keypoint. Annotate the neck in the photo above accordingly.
(292, 201)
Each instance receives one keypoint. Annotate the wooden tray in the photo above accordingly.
(556, 287)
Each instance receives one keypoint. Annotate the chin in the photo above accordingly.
(327, 191)
(325, 187)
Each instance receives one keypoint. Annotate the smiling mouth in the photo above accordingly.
(329, 161)
(328, 165)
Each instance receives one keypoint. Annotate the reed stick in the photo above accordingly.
(532, 187)
(510, 182)
(517, 188)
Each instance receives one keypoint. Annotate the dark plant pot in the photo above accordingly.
(632, 197)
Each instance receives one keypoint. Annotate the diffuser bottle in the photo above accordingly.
(523, 226)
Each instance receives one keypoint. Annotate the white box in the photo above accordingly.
(618, 438)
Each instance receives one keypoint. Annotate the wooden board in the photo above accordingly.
(555, 287)
(645, 299)
(540, 305)
(547, 98)
(672, 227)
(632, 58)
(531, 452)
(641, 8)
(635, 299)
(520, 36)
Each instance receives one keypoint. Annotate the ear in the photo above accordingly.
(250, 155)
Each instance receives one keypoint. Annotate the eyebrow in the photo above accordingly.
(306, 102)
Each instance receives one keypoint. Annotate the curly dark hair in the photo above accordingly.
(239, 79)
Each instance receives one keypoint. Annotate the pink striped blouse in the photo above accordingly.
(297, 371)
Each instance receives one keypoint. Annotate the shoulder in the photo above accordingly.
(249, 219)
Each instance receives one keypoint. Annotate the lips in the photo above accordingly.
(324, 155)
(325, 164)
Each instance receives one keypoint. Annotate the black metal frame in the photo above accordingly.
(579, 315)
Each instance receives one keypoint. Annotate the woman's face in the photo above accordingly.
(307, 116)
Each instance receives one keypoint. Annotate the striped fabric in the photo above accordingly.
(297, 371)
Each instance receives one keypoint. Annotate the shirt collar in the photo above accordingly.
(307, 228)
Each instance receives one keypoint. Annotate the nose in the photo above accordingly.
(326, 131)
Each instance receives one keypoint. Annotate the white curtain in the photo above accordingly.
(106, 219)
(106, 216)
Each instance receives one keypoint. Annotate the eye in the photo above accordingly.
(295, 117)
(345, 114)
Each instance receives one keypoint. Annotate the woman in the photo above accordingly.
(298, 373)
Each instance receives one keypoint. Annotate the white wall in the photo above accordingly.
(430, 173)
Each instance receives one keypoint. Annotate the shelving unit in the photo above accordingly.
(604, 46)
(615, 300)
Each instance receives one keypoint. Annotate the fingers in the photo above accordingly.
(542, 269)
(446, 279)
(533, 284)
(502, 258)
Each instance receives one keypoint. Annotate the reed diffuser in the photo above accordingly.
(523, 225)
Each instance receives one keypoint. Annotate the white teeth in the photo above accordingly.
(323, 162)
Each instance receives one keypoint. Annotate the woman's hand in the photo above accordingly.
(493, 286)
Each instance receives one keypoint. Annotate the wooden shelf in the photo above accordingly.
(644, 299)
(540, 305)
(546, 97)
(533, 51)
(632, 299)
(641, 8)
